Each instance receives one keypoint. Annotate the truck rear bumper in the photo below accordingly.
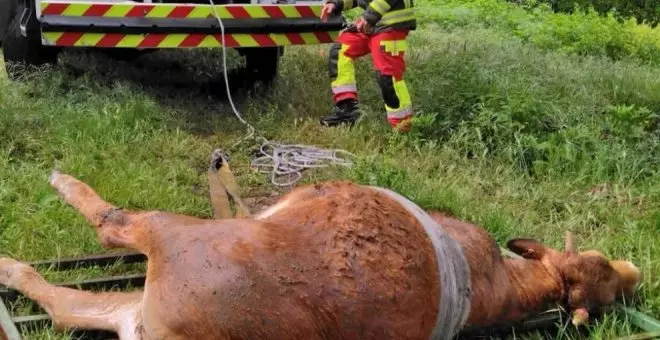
(139, 25)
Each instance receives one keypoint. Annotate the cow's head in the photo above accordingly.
(592, 281)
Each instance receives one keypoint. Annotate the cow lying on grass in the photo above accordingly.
(328, 261)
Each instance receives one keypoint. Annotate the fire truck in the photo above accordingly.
(34, 32)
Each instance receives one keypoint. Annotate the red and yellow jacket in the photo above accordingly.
(382, 15)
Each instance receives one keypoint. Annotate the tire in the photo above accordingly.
(7, 9)
(23, 53)
(262, 64)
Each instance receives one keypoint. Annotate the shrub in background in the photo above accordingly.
(644, 11)
(583, 33)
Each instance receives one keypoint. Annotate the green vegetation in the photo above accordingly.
(645, 11)
(530, 125)
(582, 33)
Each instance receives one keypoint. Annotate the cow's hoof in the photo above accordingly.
(53, 176)
(11, 271)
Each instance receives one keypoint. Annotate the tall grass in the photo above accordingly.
(546, 113)
(582, 33)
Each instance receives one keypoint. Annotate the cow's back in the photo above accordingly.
(339, 264)
(369, 267)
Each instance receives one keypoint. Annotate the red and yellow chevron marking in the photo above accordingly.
(183, 40)
(178, 11)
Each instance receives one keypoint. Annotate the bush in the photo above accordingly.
(548, 113)
(583, 33)
(645, 11)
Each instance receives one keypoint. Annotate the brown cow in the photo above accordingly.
(328, 261)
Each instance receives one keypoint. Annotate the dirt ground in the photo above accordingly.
(260, 200)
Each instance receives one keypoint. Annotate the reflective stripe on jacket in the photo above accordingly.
(382, 14)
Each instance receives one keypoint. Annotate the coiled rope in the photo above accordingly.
(278, 159)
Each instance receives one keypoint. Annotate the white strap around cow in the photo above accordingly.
(453, 271)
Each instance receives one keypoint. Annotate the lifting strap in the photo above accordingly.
(222, 184)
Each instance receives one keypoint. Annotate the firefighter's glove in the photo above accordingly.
(327, 11)
(363, 26)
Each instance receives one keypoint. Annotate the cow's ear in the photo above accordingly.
(527, 248)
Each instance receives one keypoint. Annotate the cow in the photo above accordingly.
(332, 260)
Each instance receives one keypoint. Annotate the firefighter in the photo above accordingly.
(382, 31)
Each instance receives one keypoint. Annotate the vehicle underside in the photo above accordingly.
(33, 32)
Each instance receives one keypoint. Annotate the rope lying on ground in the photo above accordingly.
(287, 160)
(282, 159)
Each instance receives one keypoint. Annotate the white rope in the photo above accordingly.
(291, 160)
(280, 159)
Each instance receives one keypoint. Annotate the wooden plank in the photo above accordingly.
(7, 327)
(104, 283)
(122, 281)
(90, 261)
(31, 322)
(44, 321)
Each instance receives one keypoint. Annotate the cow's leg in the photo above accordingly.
(83, 198)
(71, 308)
(117, 228)
(114, 227)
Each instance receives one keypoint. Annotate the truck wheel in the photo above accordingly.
(262, 64)
(21, 53)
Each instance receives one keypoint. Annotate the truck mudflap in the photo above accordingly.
(143, 25)
(7, 8)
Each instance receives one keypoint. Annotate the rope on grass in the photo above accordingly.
(282, 159)
(290, 160)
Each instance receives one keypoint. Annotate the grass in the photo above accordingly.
(584, 33)
(525, 141)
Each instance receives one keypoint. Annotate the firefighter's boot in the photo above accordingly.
(345, 112)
